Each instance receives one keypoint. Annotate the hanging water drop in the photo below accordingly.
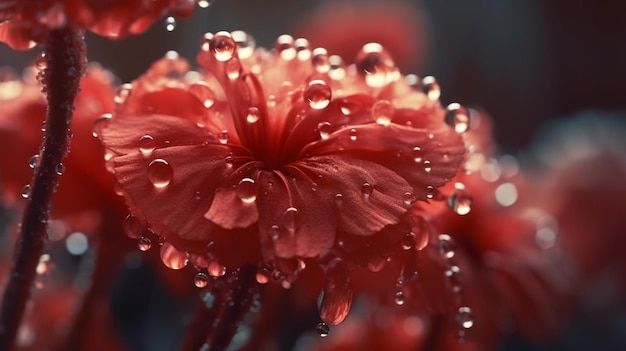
(26, 191)
(457, 117)
(160, 173)
(173, 258)
(216, 270)
(445, 246)
(382, 111)
(132, 227)
(460, 201)
(222, 46)
(319, 60)
(317, 94)
(417, 154)
(409, 198)
(399, 298)
(465, 318)
(59, 169)
(200, 280)
(170, 24)
(322, 329)
(144, 244)
(247, 190)
(263, 275)
(33, 161)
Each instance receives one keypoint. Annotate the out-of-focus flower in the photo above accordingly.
(23, 24)
(344, 27)
(281, 159)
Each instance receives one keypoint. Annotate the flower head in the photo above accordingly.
(24, 23)
(281, 158)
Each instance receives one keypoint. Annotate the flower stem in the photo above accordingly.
(223, 308)
(64, 54)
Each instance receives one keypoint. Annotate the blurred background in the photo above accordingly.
(524, 62)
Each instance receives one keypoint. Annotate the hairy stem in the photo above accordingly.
(224, 306)
(64, 55)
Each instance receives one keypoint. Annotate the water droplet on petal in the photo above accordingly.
(399, 298)
(324, 129)
(253, 115)
(457, 117)
(245, 44)
(417, 154)
(303, 50)
(337, 69)
(286, 47)
(460, 201)
(170, 24)
(132, 227)
(263, 275)
(99, 124)
(291, 219)
(223, 137)
(160, 173)
(339, 199)
(274, 232)
(222, 46)
(409, 198)
(430, 192)
(465, 317)
(445, 246)
(319, 59)
(376, 65)
(431, 88)
(144, 244)
(322, 329)
(146, 145)
(247, 190)
(317, 94)
(26, 191)
(427, 166)
(201, 280)
(173, 258)
(122, 93)
(352, 134)
(382, 111)
(33, 161)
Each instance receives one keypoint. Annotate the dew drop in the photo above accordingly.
(45, 264)
(376, 65)
(204, 93)
(173, 258)
(317, 94)
(431, 88)
(216, 270)
(200, 280)
(453, 274)
(319, 60)
(417, 154)
(132, 227)
(146, 145)
(222, 46)
(253, 115)
(286, 47)
(408, 241)
(457, 117)
(291, 219)
(26, 191)
(339, 199)
(263, 275)
(303, 50)
(99, 124)
(427, 166)
(465, 318)
(382, 111)
(460, 201)
(144, 244)
(430, 192)
(228, 160)
(352, 134)
(367, 189)
(324, 129)
(170, 24)
(247, 190)
(160, 173)
(33, 161)
(322, 329)
(122, 93)
(245, 44)
(445, 245)
(223, 137)
(409, 198)
(399, 298)
(337, 69)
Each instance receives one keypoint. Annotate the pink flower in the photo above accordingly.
(284, 158)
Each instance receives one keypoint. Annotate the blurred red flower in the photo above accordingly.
(23, 24)
(282, 158)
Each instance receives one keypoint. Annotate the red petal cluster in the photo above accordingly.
(23, 24)
(279, 158)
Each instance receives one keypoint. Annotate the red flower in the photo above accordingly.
(284, 157)
(24, 23)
